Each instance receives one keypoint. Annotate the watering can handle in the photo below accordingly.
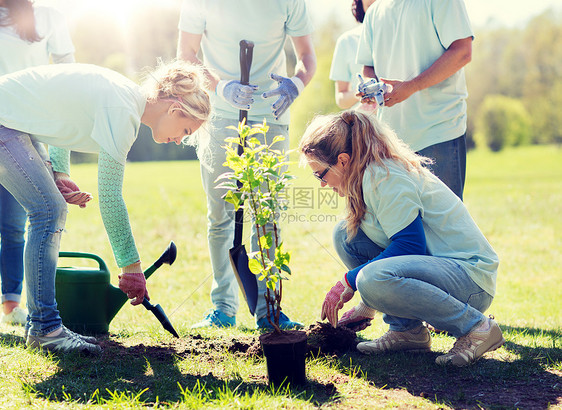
(85, 255)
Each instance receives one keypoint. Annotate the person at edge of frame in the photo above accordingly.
(29, 36)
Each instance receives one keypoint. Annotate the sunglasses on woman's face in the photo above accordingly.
(320, 175)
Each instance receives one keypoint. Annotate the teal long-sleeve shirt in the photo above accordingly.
(112, 206)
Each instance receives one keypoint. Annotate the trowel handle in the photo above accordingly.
(85, 255)
(150, 270)
(147, 304)
(168, 257)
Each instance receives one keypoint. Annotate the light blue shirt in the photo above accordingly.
(82, 108)
(401, 39)
(17, 54)
(79, 107)
(344, 67)
(395, 199)
(267, 23)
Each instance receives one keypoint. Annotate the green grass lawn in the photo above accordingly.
(515, 197)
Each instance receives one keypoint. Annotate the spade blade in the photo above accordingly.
(161, 316)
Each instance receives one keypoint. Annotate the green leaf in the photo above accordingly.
(285, 268)
(271, 173)
(225, 175)
(257, 129)
(261, 220)
(278, 138)
(233, 198)
(271, 285)
(227, 185)
(266, 241)
(253, 141)
(255, 266)
(232, 140)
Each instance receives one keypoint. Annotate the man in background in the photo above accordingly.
(216, 27)
(420, 48)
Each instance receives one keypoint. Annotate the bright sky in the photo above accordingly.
(481, 12)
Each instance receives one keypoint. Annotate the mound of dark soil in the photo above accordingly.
(324, 339)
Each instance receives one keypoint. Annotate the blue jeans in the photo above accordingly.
(12, 242)
(414, 288)
(220, 215)
(24, 173)
(450, 163)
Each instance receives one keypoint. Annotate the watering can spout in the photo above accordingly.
(116, 298)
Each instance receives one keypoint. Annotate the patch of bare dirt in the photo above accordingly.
(322, 339)
(492, 382)
(184, 346)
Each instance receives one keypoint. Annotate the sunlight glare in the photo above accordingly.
(117, 10)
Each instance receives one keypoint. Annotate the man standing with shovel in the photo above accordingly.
(217, 26)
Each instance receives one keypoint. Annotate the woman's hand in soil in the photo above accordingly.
(358, 318)
(340, 294)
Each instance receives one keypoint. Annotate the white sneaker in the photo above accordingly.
(470, 347)
(413, 340)
(89, 339)
(18, 316)
(66, 341)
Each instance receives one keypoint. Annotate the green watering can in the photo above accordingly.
(86, 299)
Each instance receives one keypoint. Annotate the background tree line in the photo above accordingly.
(514, 79)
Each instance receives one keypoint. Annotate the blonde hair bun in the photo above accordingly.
(183, 81)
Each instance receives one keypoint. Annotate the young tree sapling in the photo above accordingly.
(257, 182)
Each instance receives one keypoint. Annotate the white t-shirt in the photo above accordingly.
(267, 23)
(17, 54)
(80, 107)
(395, 199)
(401, 39)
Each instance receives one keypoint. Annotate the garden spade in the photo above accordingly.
(238, 256)
(168, 257)
(161, 316)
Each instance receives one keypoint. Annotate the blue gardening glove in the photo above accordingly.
(340, 294)
(288, 90)
(238, 95)
(372, 90)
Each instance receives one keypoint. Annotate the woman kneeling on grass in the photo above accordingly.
(88, 109)
(413, 251)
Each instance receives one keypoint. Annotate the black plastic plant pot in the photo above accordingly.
(285, 357)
